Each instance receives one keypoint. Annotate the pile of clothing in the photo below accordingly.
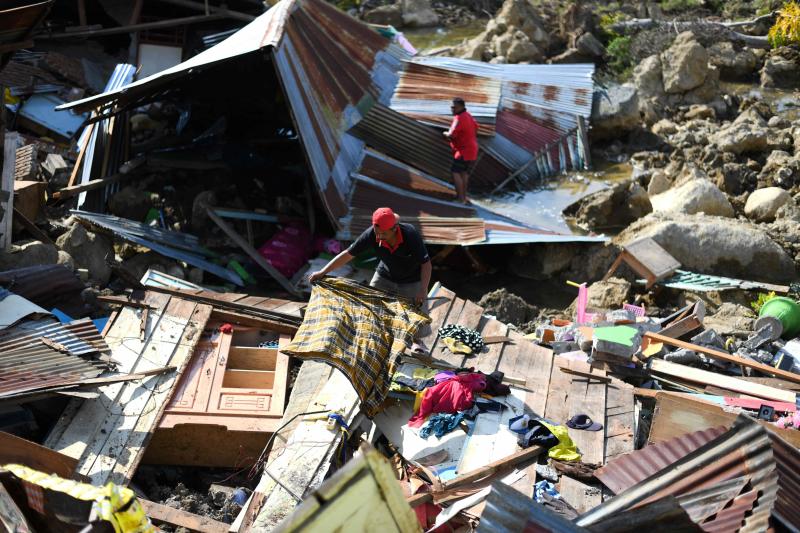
(460, 337)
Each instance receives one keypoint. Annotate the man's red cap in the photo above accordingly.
(384, 218)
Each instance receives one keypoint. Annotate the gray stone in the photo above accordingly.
(695, 196)
(27, 254)
(89, 250)
(541, 261)
(590, 45)
(615, 111)
(609, 294)
(733, 64)
(763, 204)
(658, 183)
(700, 111)
(614, 207)
(742, 137)
(508, 308)
(716, 245)
(389, 15)
(647, 77)
(780, 72)
(664, 127)
(730, 318)
(419, 14)
(65, 259)
(522, 50)
(130, 203)
(781, 169)
(684, 64)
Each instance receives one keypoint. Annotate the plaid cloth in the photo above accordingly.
(359, 330)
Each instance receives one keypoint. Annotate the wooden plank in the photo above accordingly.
(653, 257)
(537, 375)
(32, 228)
(14, 449)
(161, 514)
(620, 420)
(487, 362)
(281, 377)
(728, 358)
(11, 142)
(249, 379)
(248, 358)
(438, 310)
(252, 252)
(439, 349)
(75, 190)
(675, 416)
(704, 377)
(74, 175)
(470, 318)
(557, 406)
(682, 327)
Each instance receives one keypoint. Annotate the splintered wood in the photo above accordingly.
(108, 435)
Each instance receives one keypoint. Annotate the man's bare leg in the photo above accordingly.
(461, 190)
(464, 187)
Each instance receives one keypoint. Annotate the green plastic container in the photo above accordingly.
(787, 311)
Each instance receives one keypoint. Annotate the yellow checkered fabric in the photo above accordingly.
(359, 330)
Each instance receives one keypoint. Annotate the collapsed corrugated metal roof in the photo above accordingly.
(361, 103)
(41, 355)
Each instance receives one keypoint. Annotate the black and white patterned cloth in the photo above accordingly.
(470, 337)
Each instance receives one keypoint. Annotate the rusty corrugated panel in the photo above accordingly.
(632, 468)
(788, 459)
(369, 194)
(509, 511)
(434, 230)
(44, 285)
(425, 93)
(743, 451)
(385, 169)
(71, 353)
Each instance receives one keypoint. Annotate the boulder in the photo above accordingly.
(88, 250)
(781, 69)
(684, 65)
(696, 196)
(715, 245)
(503, 40)
(735, 178)
(742, 137)
(733, 64)
(664, 127)
(130, 203)
(419, 14)
(590, 45)
(614, 111)
(659, 182)
(614, 207)
(700, 111)
(781, 169)
(508, 307)
(609, 294)
(522, 50)
(763, 204)
(28, 254)
(541, 261)
(647, 77)
(65, 259)
(389, 15)
(570, 55)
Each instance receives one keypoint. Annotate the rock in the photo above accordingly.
(616, 206)
(200, 220)
(541, 261)
(696, 196)
(419, 14)
(56, 170)
(474, 49)
(89, 250)
(614, 111)
(762, 204)
(389, 15)
(699, 111)
(658, 183)
(570, 55)
(781, 69)
(729, 319)
(27, 254)
(664, 127)
(140, 263)
(65, 259)
(778, 122)
(684, 64)
(609, 294)
(733, 64)
(742, 137)
(781, 169)
(589, 45)
(508, 307)
(647, 77)
(716, 245)
(522, 50)
(734, 178)
(130, 203)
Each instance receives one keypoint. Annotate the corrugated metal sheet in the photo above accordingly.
(425, 93)
(28, 365)
(385, 169)
(743, 451)
(180, 246)
(44, 285)
(509, 511)
(788, 459)
(16, 75)
(18, 23)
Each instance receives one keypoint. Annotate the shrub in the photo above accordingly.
(620, 60)
(762, 299)
(787, 28)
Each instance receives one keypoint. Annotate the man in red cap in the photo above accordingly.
(404, 267)
(463, 136)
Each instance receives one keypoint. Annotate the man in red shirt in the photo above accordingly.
(463, 136)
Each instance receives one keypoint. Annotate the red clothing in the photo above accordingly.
(464, 137)
(450, 396)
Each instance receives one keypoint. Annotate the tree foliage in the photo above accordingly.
(787, 28)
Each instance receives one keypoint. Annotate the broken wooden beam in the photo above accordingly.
(74, 190)
(722, 356)
(161, 514)
(252, 252)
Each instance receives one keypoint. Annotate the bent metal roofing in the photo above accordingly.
(357, 98)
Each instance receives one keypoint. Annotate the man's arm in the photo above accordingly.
(337, 262)
(425, 279)
(449, 133)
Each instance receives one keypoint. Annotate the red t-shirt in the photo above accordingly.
(464, 137)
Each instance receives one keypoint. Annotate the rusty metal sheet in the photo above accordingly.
(788, 460)
(383, 168)
(44, 285)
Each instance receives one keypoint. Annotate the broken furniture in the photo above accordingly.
(648, 259)
(228, 402)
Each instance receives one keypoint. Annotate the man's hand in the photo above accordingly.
(314, 276)
(419, 299)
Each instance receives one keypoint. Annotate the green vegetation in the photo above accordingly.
(669, 6)
(787, 28)
(762, 299)
(763, 7)
(620, 59)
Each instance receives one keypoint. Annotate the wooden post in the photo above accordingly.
(82, 13)
(12, 141)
